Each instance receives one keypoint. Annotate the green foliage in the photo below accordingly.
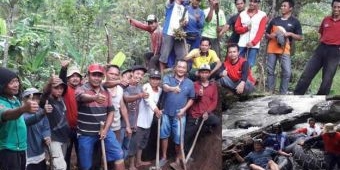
(3, 27)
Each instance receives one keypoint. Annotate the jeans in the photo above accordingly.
(326, 57)
(250, 54)
(86, 143)
(192, 125)
(169, 43)
(285, 72)
(230, 84)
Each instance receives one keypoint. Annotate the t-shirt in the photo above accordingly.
(329, 31)
(199, 60)
(117, 96)
(90, 114)
(146, 107)
(209, 28)
(173, 15)
(260, 158)
(13, 134)
(132, 107)
(290, 25)
(175, 101)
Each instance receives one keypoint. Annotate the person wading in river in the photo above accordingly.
(261, 158)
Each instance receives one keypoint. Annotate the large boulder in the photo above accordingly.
(277, 107)
(327, 111)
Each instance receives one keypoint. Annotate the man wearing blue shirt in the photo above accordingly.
(178, 97)
(195, 24)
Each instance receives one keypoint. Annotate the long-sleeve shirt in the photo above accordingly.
(155, 35)
(205, 103)
(258, 25)
(38, 129)
(194, 25)
(70, 101)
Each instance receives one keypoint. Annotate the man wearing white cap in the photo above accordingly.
(72, 77)
(205, 103)
(155, 31)
(331, 140)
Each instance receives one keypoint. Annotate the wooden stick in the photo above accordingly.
(182, 143)
(103, 146)
(195, 140)
(158, 137)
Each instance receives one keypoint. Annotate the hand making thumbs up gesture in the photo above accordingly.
(48, 107)
(30, 105)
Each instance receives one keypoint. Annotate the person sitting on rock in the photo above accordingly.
(201, 56)
(331, 140)
(277, 140)
(261, 158)
(311, 130)
(236, 75)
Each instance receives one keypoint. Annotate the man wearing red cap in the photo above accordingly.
(95, 106)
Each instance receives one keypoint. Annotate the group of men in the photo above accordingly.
(248, 27)
(82, 111)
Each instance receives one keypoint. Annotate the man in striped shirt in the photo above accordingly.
(94, 106)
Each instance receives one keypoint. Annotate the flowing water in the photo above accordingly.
(256, 112)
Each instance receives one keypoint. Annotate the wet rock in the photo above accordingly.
(280, 110)
(327, 111)
(245, 124)
(277, 107)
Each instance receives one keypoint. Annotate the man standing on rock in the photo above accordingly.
(213, 29)
(251, 25)
(326, 55)
(175, 17)
(281, 32)
(234, 38)
(155, 31)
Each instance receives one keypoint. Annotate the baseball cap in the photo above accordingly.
(155, 74)
(30, 91)
(139, 67)
(95, 68)
(59, 82)
(71, 70)
(126, 71)
(151, 17)
(204, 67)
(329, 128)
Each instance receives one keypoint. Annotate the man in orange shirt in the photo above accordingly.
(281, 31)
